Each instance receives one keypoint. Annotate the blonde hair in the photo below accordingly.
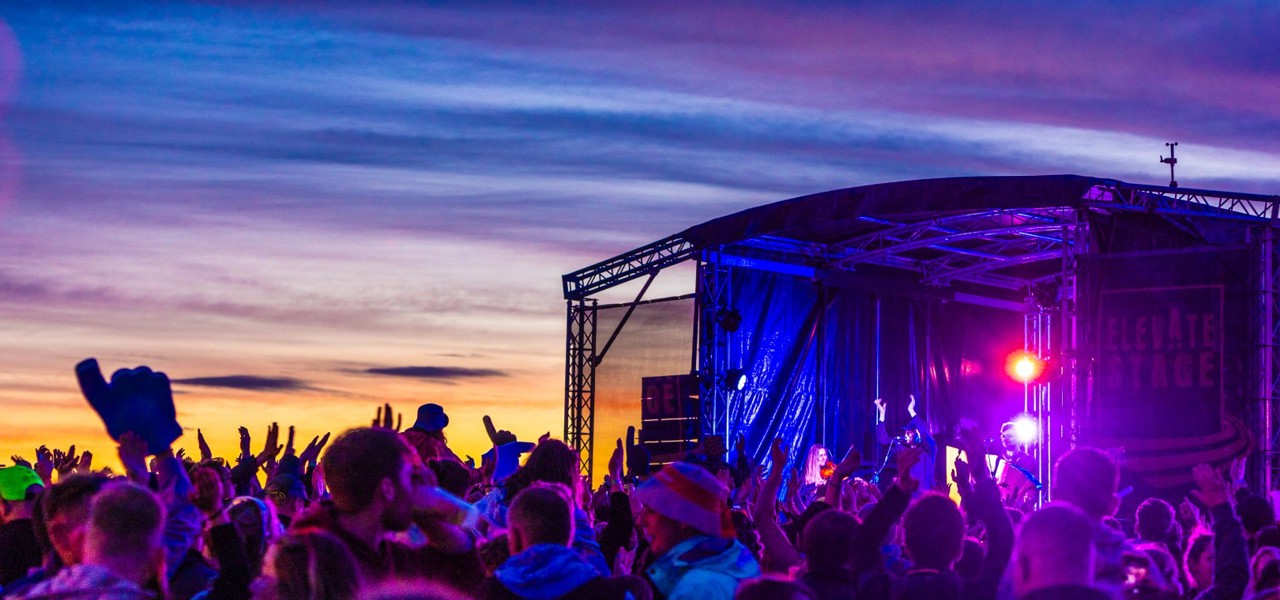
(813, 465)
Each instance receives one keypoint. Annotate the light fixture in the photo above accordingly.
(735, 379)
(728, 318)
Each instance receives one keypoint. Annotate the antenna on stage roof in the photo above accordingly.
(1171, 161)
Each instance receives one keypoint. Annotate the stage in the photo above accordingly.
(1152, 308)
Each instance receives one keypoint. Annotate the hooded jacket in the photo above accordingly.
(702, 568)
(546, 571)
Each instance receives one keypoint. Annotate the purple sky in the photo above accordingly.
(334, 204)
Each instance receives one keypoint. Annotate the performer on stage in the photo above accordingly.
(812, 480)
(916, 433)
(1016, 490)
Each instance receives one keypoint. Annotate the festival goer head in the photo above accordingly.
(827, 541)
(814, 460)
(1087, 478)
(66, 512)
(19, 489)
(1054, 548)
(540, 514)
(1268, 537)
(308, 565)
(773, 587)
(1198, 563)
(125, 525)
(934, 529)
(432, 420)
(369, 469)
(451, 476)
(1009, 437)
(1255, 513)
(970, 564)
(1264, 572)
(1015, 515)
(287, 493)
(682, 501)
(1164, 568)
(258, 526)
(550, 462)
(1154, 520)
(207, 493)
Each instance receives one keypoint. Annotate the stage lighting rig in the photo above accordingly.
(1025, 367)
(735, 380)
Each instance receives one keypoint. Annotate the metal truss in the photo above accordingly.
(1171, 201)
(1266, 322)
(620, 269)
(580, 381)
(713, 345)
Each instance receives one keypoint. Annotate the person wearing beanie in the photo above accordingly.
(685, 517)
(427, 434)
(20, 487)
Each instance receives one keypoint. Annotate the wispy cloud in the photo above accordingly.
(254, 383)
(437, 373)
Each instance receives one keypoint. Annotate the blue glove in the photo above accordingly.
(136, 400)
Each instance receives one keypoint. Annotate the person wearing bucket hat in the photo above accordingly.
(19, 549)
(685, 517)
(427, 434)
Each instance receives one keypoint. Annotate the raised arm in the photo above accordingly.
(780, 553)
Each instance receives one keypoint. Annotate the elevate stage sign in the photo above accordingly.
(1169, 344)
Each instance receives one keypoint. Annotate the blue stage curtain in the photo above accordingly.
(775, 346)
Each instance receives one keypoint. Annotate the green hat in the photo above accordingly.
(14, 482)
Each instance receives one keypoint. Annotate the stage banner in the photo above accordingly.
(1169, 337)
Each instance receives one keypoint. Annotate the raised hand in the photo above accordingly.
(383, 420)
(960, 474)
(496, 436)
(65, 463)
(271, 448)
(44, 465)
(311, 453)
(615, 464)
(848, 465)
(86, 462)
(972, 446)
(205, 452)
(907, 458)
(19, 461)
(245, 452)
(133, 455)
(911, 405)
(181, 455)
(1214, 489)
(136, 400)
(288, 446)
(880, 409)
(778, 453)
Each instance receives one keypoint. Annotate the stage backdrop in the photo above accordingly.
(1168, 335)
(818, 351)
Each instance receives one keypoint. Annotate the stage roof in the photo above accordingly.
(1001, 233)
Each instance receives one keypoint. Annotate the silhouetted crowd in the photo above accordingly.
(381, 512)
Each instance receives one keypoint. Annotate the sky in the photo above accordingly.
(301, 210)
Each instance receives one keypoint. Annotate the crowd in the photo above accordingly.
(384, 513)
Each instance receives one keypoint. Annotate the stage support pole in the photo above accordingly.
(1266, 465)
(713, 347)
(580, 382)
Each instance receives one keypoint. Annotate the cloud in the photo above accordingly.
(253, 383)
(437, 373)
